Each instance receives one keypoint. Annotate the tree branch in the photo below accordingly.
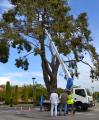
(28, 54)
(80, 61)
(87, 64)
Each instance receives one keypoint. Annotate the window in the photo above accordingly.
(80, 92)
(88, 92)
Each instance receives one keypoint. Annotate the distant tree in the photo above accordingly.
(16, 94)
(1, 95)
(60, 90)
(25, 94)
(23, 28)
(40, 90)
(8, 93)
(30, 91)
(37, 92)
(96, 94)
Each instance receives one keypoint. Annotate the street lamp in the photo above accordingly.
(33, 89)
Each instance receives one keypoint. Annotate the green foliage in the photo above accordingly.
(40, 90)
(69, 34)
(23, 63)
(30, 18)
(30, 91)
(36, 51)
(20, 44)
(59, 91)
(25, 94)
(10, 17)
(2, 95)
(16, 95)
(4, 52)
(8, 93)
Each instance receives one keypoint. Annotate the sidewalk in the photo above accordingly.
(27, 114)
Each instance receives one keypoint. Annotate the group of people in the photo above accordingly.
(65, 102)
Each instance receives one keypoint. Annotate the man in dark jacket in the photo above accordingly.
(63, 102)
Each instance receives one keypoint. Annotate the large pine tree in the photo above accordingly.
(29, 19)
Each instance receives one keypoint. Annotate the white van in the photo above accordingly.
(83, 98)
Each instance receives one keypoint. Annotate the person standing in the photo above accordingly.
(41, 102)
(54, 102)
(63, 102)
(70, 102)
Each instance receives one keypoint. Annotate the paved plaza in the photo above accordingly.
(35, 114)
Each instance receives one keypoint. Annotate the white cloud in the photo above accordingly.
(24, 74)
(22, 78)
(3, 80)
(14, 74)
(6, 6)
(37, 74)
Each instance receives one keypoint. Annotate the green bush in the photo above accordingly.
(8, 93)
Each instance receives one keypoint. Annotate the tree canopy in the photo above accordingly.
(23, 27)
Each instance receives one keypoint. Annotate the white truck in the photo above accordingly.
(83, 98)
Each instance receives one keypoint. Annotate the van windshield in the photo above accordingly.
(80, 92)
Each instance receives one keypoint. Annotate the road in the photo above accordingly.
(92, 114)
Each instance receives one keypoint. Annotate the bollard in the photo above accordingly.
(30, 109)
(21, 108)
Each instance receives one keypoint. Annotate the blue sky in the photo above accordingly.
(17, 76)
(91, 8)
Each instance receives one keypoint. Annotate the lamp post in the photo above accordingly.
(33, 89)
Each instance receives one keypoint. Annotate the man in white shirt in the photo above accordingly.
(54, 102)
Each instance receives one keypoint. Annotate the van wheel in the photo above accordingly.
(85, 108)
(79, 106)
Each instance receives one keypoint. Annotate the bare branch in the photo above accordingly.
(79, 61)
(28, 54)
(86, 64)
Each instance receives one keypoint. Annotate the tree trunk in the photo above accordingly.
(49, 71)
(49, 79)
